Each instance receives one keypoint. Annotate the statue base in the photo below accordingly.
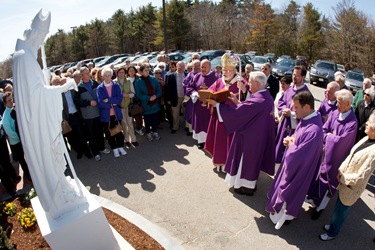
(84, 227)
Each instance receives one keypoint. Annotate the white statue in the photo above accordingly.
(39, 115)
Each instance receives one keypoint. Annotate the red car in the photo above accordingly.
(302, 60)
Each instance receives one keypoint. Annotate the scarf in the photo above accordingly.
(150, 89)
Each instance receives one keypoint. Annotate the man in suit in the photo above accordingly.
(174, 93)
(272, 82)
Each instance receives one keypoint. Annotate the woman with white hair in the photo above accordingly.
(363, 111)
(109, 102)
(354, 174)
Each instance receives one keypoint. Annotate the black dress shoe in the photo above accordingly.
(173, 131)
(189, 133)
(186, 129)
(315, 215)
(200, 145)
(245, 191)
(287, 222)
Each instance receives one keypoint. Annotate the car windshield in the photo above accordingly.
(323, 65)
(288, 63)
(259, 59)
(355, 76)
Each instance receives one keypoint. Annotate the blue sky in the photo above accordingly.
(16, 16)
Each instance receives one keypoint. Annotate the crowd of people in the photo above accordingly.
(319, 149)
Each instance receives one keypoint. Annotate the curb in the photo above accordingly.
(145, 225)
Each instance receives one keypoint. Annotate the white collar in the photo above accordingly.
(298, 88)
(331, 102)
(342, 116)
(313, 114)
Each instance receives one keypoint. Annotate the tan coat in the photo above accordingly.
(356, 171)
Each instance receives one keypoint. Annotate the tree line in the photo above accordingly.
(239, 25)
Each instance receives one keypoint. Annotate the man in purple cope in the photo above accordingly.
(288, 121)
(201, 113)
(252, 123)
(187, 101)
(299, 164)
(339, 137)
(329, 103)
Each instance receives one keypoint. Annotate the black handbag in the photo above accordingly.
(135, 108)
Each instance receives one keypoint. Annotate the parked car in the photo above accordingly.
(283, 57)
(322, 72)
(109, 60)
(148, 57)
(341, 68)
(252, 54)
(271, 55)
(130, 58)
(211, 54)
(283, 66)
(354, 80)
(302, 60)
(176, 57)
(99, 59)
(259, 60)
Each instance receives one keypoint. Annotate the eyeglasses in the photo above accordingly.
(157, 73)
(368, 95)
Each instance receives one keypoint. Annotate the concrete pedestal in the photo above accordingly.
(86, 227)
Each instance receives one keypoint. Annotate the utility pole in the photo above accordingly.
(74, 42)
(165, 29)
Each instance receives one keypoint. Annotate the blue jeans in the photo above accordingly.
(338, 218)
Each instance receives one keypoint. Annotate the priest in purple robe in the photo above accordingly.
(252, 124)
(339, 137)
(287, 120)
(329, 103)
(201, 113)
(299, 164)
(218, 140)
(187, 101)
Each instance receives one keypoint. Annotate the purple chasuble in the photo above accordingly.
(253, 125)
(218, 141)
(337, 146)
(189, 104)
(325, 109)
(201, 114)
(285, 128)
(299, 164)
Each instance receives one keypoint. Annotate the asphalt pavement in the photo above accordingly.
(174, 185)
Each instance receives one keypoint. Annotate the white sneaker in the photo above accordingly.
(140, 132)
(116, 152)
(149, 137)
(122, 151)
(97, 158)
(106, 151)
(156, 136)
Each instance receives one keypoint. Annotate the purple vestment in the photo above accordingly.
(339, 138)
(188, 104)
(285, 128)
(201, 114)
(325, 109)
(218, 141)
(253, 125)
(299, 164)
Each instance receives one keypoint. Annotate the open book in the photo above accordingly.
(219, 96)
